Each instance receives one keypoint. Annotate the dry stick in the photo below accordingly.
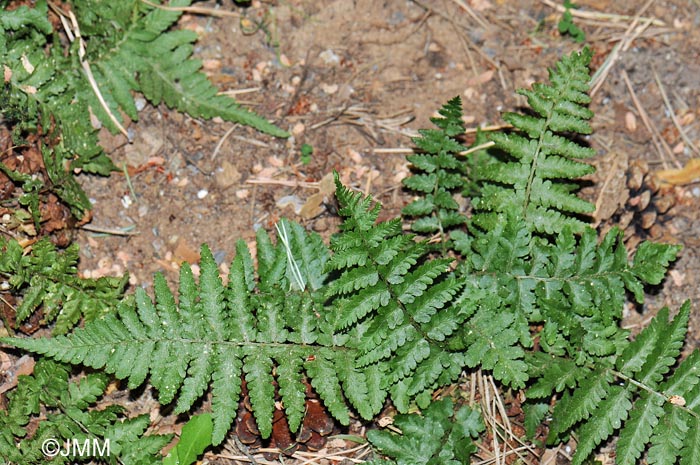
(284, 182)
(485, 145)
(247, 90)
(313, 456)
(465, 47)
(222, 140)
(606, 183)
(463, 5)
(493, 127)
(624, 43)
(659, 142)
(466, 37)
(194, 10)
(674, 118)
(111, 231)
(507, 424)
(595, 15)
(393, 151)
(73, 34)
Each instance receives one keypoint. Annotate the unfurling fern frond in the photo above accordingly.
(66, 415)
(633, 392)
(214, 334)
(440, 175)
(439, 435)
(539, 158)
(394, 303)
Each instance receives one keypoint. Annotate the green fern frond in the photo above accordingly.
(63, 411)
(537, 159)
(49, 281)
(143, 56)
(438, 435)
(440, 174)
(396, 305)
(213, 335)
(129, 48)
(631, 393)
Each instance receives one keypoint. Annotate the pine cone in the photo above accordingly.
(645, 211)
(317, 425)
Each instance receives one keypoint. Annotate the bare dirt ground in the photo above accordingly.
(355, 79)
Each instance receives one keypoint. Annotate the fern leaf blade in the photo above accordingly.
(609, 416)
(225, 391)
(258, 375)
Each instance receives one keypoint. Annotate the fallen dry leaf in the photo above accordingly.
(678, 177)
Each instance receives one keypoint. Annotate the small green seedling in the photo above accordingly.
(567, 26)
(306, 152)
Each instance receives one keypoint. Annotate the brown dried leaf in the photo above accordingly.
(678, 177)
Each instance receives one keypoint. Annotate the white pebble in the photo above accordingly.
(202, 193)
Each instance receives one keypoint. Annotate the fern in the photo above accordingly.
(47, 279)
(131, 49)
(635, 392)
(535, 297)
(395, 304)
(539, 158)
(128, 48)
(217, 333)
(64, 415)
(438, 436)
(440, 175)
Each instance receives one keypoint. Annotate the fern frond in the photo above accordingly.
(439, 435)
(63, 411)
(143, 56)
(631, 393)
(396, 304)
(264, 330)
(440, 174)
(49, 280)
(537, 158)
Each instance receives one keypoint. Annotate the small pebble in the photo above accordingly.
(202, 193)
(329, 57)
(126, 201)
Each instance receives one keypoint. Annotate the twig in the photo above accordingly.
(247, 90)
(493, 127)
(284, 182)
(596, 15)
(128, 182)
(244, 450)
(73, 34)
(681, 131)
(466, 37)
(625, 42)
(197, 10)
(463, 5)
(222, 140)
(393, 150)
(113, 231)
(656, 138)
(604, 187)
(254, 142)
(311, 457)
(485, 145)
